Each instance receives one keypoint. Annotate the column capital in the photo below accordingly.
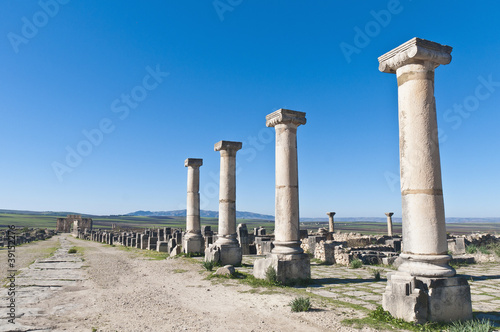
(330, 214)
(412, 51)
(193, 162)
(389, 214)
(285, 116)
(227, 145)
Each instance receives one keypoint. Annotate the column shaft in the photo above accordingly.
(424, 229)
(193, 200)
(227, 193)
(287, 189)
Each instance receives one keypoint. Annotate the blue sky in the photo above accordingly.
(134, 88)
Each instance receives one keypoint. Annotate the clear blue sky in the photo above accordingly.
(153, 83)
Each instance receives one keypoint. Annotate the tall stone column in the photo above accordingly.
(331, 225)
(389, 223)
(424, 288)
(287, 258)
(226, 249)
(193, 240)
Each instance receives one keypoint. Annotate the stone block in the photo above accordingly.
(175, 251)
(224, 254)
(162, 246)
(152, 243)
(288, 267)
(420, 299)
(227, 270)
(194, 244)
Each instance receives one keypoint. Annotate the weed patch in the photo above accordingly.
(300, 304)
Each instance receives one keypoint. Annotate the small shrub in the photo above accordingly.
(495, 247)
(208, 265)
(376, 275)
(72, 251)
(300, 304)
(483, 250)
(471, 325)
(271, 275)
(471, 249)
(356, 263)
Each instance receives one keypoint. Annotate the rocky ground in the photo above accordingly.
(105, 288)
(110, 289)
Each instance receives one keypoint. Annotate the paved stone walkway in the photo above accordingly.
(358, 286)
(39, 281)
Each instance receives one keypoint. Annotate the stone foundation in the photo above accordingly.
(224, 254)
(420, 299)
(193, 244)
(288, 266)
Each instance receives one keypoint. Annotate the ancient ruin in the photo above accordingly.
(331, 225)
(65, 225)
(287, 257)
(425, 288)
(226, 249)
(193, 240)
(389, 223)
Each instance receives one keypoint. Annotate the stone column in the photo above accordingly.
(193, 240)
(424, 288)
(331, 226)
(389, 223)
(287, 258)
(226, 249)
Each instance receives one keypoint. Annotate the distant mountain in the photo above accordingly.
(242, 215)
(203, 213)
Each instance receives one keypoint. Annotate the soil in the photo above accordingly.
(124, 290)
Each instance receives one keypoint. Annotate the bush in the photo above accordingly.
(484, 250)
(495, 247)
(300, 304)
(472, 326)
(356, 263)
(72, 251)
(208, 265)
(471, 249)
(376, 275)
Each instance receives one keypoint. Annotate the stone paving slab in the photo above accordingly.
(358, 286)
(39, 281)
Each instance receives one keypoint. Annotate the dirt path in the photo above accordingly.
(124, 291)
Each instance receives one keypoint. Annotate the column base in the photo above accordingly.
(193, 244)
(422, 299)
(289, 267)
(287, 247)
(431, 266)
(224, 254)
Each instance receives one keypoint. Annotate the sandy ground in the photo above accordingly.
(124, 291)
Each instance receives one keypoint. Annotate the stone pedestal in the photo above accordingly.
(193, 240)
(226, 249)
(425, 287)
(389, 223)
(287, 258)
(420, 299)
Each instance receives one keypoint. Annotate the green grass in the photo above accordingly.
(208, 265)
(72, 251)
(472, 326)
(356, 264)
(383, 320)
(300, 304)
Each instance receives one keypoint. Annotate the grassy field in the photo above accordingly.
(124, 222)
